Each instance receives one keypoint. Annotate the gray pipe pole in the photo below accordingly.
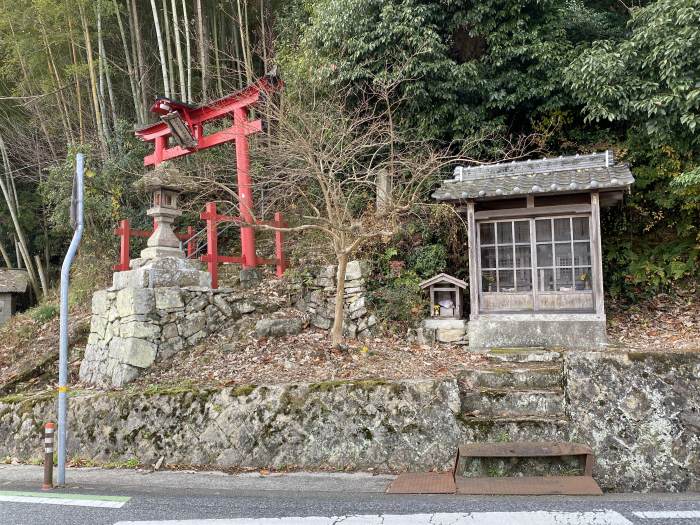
(77, 216)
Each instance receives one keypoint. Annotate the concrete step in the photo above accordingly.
(492, 429)
(511, 402)
(523, 355)
(520, 376)
(518, 458)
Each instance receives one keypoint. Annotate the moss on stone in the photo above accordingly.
(243, 390)
(360, 384)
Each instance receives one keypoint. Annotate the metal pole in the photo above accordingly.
(77, 213)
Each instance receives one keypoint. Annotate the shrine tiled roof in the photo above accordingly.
(553, 175)
(13, 281)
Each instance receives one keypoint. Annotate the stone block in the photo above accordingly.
(569, 331)
(98, 324)
(356, 314)
(197, 338)
(122, 374)
(355, 283)
(168, 298)
(192, 324)
(137, 352)
(139, 329)
(321, 322)
(101, 302)
(278, 327)
(130, 279)
(449, 335)
(169, 331)
(134, 301)
(170, 347)
(199, 302)
(357, 304)
(244, 307)
(222, 305)
(356, 270)
(328, 272)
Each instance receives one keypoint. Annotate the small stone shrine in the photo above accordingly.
(13, 283)
(535, 264)
(162, 305)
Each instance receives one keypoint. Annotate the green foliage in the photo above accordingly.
(649, 78)
(462, 65)
(429, 260)
(44, 312)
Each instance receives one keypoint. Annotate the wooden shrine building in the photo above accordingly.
(535, 266)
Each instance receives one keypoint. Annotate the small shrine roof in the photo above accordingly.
(443, 278)
(13, 281)
(569, 174)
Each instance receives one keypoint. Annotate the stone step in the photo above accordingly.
(511, 402)
(523, 355)
(498, 429)
(524, 458)
(536, 376)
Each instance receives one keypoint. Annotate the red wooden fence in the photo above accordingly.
(212, 257)
(126, 233)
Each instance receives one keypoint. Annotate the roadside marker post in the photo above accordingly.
(48, 456)
(76, 215)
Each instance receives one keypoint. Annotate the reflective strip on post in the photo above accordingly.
(49, 430)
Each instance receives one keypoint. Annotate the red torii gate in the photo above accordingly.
(184, 124)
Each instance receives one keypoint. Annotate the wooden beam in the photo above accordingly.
(473, 250)
(561, 209)
(596, 252)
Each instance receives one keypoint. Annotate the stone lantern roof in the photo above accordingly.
(165, 176)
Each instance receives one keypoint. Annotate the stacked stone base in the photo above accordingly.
(318, 300)
(133, 328)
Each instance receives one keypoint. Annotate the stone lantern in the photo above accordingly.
(165, 183)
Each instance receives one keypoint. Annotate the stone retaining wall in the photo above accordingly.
(317, 298)
(639, 412)
(132, 328)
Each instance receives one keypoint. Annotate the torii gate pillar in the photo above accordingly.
(185, 125)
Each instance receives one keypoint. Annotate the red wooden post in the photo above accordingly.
(124, 231)
(190, 241)
(279, 248)
(245, 193)
(211, 258)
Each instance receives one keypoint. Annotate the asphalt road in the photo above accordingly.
(135, 496)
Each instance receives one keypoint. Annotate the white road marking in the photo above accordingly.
(604, 517)
(57, 498)
(668, 514)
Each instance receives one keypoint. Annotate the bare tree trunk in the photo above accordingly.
(42, 276)
(338, 316)
(178, 52)
(188, 50)
(93, 80)
(34, 106)
(106, 70)
(169, 48)
(263, 38)
(143, 72)
(161, 49)
(217, 62)
(129, 65)
(101, 74)
(62, 105)
(5, 256)
(245, 43)
(203, 50)
(22, 246)
(78, 97)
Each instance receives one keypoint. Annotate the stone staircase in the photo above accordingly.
(517, 396)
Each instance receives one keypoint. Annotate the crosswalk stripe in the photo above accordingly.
(668, 514)
(58, 498)
(604, 517)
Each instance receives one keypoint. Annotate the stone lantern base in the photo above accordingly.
(156, 309)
